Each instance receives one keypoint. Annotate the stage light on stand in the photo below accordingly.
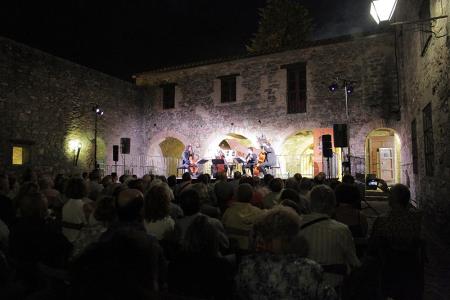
(333, 87)
(75, 147)
(98, 113)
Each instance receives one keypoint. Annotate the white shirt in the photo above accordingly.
(160, 228)
(330, 242)
(73, 213)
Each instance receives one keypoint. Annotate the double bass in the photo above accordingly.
(193, 168)
(261, 159)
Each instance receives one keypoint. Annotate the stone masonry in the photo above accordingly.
(199, 118)
(46, 101)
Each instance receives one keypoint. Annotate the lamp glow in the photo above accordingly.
(74, 145)
(382, 10)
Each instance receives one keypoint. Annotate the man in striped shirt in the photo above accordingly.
(330, 242)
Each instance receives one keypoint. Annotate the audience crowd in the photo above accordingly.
(94, 237)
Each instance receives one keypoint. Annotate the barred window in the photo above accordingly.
(414, 147)
(168, 95)
(428, 140)
(228, 88)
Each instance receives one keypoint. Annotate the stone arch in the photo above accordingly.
(297, 153)
(213, 141)
(383, 154)
(164, 152)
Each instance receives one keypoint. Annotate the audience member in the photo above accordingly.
(156, 211)
(199, 271)
(74, 212)
(185, 183)
(273, 198)
(93, 185)
(223, 191)
(239, 218)
(276, 271)
(301, 202)
(7, 211)
(190, 203)
(330, 242)
(347, 212)
(396, 245)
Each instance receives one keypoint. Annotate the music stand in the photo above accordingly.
(239, 160)
(202, 161)
(217, 161)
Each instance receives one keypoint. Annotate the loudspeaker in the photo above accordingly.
(115, 153)
(340, 135)
(327, 150)
(125, 145)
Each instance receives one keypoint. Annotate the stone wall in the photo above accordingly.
(201, 120)
(424, 78)
(46, 101)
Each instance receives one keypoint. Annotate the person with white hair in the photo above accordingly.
(330, 242)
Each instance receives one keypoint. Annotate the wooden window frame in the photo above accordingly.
(296, 88)
(228, 88)
(168, 95)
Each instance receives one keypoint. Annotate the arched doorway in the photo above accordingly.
(234, 145)
(297, 154)
(382, 154)
(171, 149)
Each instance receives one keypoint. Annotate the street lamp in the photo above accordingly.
(75, 147)
(98, 113)
(382, 10)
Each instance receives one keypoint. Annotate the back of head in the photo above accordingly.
(276, 185)
(190, 202)
(281, 223)
(45, 182)
(107, 180)
(123, 267)
(137, 184)
(349, 179)
(129, 205)
(322, 200)
(203, 179)
(347, 193)
(33, 205)
(290, 194)
(320, 178)
(201, 237)
(237, 175)
(157, 202)
(292, 183)
(186, 177)
(221, 176)
(94, 175)
(105, 209)
(298, 177)
(4, 184)
(306, 184)
(399, 196)
(267, 179)
(172, 180)
(244, 192)
(76, 188)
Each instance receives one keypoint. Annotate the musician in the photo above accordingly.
(187, 153)
(219, 168)
(271, 158)
(250, 161)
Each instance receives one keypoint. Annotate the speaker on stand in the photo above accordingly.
(327, 151)
(340, 139)
(115, 156)
(125, 146)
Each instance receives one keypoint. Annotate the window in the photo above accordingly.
(168, 95)
(414, 146)
(296, 88)
(428, 140)
(228, 88)
(17, 156)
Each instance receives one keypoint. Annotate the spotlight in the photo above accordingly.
(98, 111)
(333, 87)
(349, 89)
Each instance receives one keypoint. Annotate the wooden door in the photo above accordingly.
(387, 170)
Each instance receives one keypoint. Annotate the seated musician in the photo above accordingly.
(219, 168)
(188, 159)
(250, 161)
(271, 158)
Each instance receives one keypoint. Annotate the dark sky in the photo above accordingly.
(124, 37)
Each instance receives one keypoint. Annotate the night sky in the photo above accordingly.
(124, 37)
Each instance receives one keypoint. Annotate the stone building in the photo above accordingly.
(46, 106)
(423, 49)
(284, 97)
